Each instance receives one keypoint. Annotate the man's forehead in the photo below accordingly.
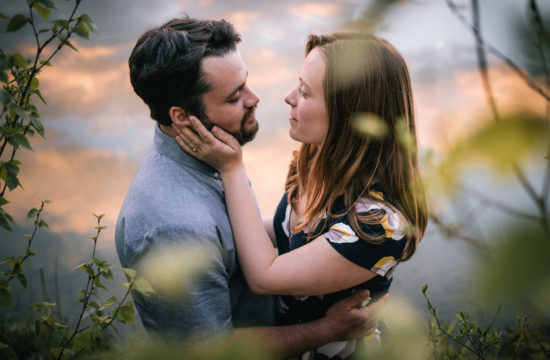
(226, 71)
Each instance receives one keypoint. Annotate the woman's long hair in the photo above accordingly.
(365, 76)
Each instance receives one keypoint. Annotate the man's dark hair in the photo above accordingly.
(165, 65)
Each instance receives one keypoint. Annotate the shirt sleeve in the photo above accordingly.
(380, 258)
(203, 310)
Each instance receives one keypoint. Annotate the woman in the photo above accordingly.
(353, 206)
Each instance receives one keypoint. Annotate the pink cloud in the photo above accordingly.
(309, 10)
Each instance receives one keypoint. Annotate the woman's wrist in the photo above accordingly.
(230, 171)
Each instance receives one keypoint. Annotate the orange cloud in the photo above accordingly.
(266, 68)
(449, 109)
(91, 83)
(242, 20)
(78, 182)
(307, 11)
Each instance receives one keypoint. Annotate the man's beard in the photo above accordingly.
(242, 135)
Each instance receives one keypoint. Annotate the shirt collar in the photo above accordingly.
(169, 147)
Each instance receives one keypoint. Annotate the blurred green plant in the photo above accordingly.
(512, 266)
(56, 339)
(50, 337)
(20, 85)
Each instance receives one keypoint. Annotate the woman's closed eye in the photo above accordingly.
(302, 92)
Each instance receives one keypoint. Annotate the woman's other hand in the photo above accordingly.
(217, 148)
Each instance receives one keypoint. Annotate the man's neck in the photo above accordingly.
(168, 130)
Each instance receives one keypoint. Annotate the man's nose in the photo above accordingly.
(252, 98)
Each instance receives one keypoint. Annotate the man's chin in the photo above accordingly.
(247, 133)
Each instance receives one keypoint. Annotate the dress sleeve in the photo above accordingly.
(381, 257)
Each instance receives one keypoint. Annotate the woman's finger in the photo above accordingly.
(188, 148)
(201, 130)
(189, 136)
(225, 137)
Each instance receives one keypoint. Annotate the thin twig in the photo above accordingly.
(511, 64)
(87, 293)
(499, 204)
(30, 239)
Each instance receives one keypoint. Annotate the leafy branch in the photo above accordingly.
(19, 76)
(17, 263)
(470, 336)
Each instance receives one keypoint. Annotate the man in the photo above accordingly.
(192, 67)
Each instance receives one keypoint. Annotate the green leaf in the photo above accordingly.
(68, 43)
(370, 124)
(61, 23)
(44, 62)
(42, 223)
(87, 268)
(5, 219)
(130, 273)
(37, 124)
(42, 10)
(126, 313)
(34, 83)
(18, 60)
(46, 3)
(82, 30)
(142, 286)
(111, 301)
(98, 217)
(5, 294)
(3, 201)
(6, 352)
(2, 16)
(519, 250)
(32, 213)
(22, 279)
(5, 97)
(108, 275)
(19, 111)
(89, 23)
(16, 23)
(12, 182)
(22, 141)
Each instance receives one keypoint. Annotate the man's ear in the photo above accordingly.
(177, 114)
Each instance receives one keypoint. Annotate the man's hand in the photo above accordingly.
(347, 319)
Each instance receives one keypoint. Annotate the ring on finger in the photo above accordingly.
(194, 149)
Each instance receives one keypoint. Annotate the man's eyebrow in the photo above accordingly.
(237, 89)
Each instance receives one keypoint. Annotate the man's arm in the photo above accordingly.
(344, 320)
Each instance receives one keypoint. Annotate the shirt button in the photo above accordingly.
(217, 175)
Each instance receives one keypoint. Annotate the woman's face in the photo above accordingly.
(308, 110)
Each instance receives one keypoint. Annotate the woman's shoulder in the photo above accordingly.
(375, 215)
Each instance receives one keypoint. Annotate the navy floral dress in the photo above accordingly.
(381, 258)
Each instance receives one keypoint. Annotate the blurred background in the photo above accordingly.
(97, 129)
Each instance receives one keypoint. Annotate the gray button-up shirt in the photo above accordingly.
(176, 199)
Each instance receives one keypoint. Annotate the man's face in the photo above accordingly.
(230, 104)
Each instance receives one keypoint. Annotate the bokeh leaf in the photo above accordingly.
(518, 267)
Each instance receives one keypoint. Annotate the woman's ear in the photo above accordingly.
(178, 115)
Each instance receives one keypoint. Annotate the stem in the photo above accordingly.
(500, 205)
(87, 295)
(522, 74)
(443, 331)
(482, 60)
(29, 242)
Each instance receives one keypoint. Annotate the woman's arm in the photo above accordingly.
(313, 269)
(268, 227)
